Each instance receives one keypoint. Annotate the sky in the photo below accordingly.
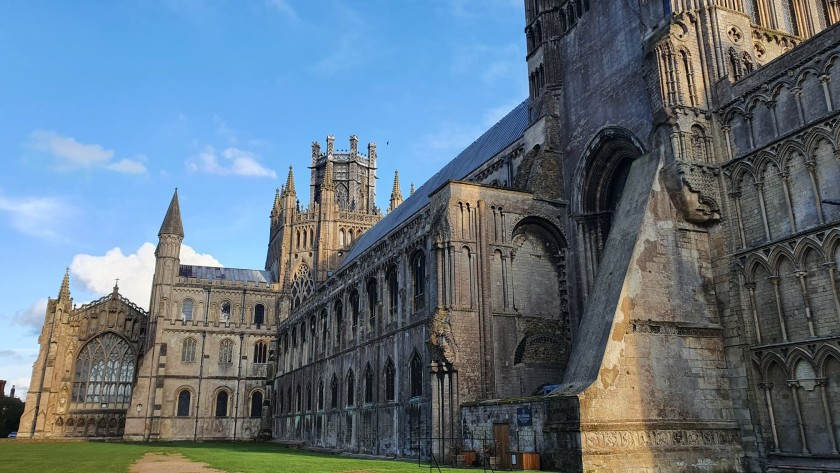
(107, 106)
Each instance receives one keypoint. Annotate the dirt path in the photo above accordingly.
(169, 463)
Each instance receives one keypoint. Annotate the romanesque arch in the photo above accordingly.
(598, 184)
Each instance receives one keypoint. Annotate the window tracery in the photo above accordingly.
(226, 351)
(188, 351)
(104, 372)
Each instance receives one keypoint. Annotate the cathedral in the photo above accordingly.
(636, 269)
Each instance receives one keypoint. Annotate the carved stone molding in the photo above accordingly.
(693, 191)
(671, 328)
(656, 439)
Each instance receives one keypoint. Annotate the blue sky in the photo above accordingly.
(106, 107)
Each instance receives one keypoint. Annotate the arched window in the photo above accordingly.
(339, 319)
(538, 34)
(298, 399)
(259, 315)
(350, 235)
(188, 351)
(309, 397)
(418, 280)
(373, 300)
(289, 399)
(321, 395)
(305, 239)
(393, 293)
(224, 316)
(416, 375)
(351, 388)
(354, 308)
(183, 403)
(301, 285)
(187, 310)
(297, 233)
(390, 380)
(226, 351)
(222, 404)
(368, 384)
(334, 392)
(260, 352)
(104, 372)
(256, 404)
(341, 238)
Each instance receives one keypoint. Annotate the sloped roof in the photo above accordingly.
(500, 136)
(172, 221)
(225, 274)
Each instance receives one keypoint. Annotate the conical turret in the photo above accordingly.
(396, 194)
(172, 224)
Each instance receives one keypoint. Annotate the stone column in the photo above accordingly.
(751, 288)
(766, 387)
(736, 196)
(821, 384)
(785, 176)
(812, 171)
(793, 386)
(775, 281)
(808, 314)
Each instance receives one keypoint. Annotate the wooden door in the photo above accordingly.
(501, 436)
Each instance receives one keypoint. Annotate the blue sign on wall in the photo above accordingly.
(523, 416)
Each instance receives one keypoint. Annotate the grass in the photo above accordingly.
(84, 457)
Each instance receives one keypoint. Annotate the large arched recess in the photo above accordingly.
(598, 184)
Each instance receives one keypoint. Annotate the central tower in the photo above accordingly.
(307, 244)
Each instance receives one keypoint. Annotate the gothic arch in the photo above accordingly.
(815, 136)
(802, 247)
(825, 354)
(777, 255)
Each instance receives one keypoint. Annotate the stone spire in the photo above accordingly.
(396, 194)
(290, 183)
(64, 292)
(275, 210)
(172, 222)
(328, 183)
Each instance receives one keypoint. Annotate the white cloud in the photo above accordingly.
(135, 271)
(283, 7)
(231, 161)
(69, 154)
(32, 317)
(127, 166)
(36, 216)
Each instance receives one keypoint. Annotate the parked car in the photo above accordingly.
(13, 435)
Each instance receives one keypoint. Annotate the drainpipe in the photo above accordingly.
(198, 391)
(238, 377)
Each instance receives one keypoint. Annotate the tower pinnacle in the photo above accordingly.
(64, 292)
(396, 194)
(290, 183)
(172, 224)
(328, 176)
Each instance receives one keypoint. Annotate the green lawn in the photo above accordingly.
(89, 457)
